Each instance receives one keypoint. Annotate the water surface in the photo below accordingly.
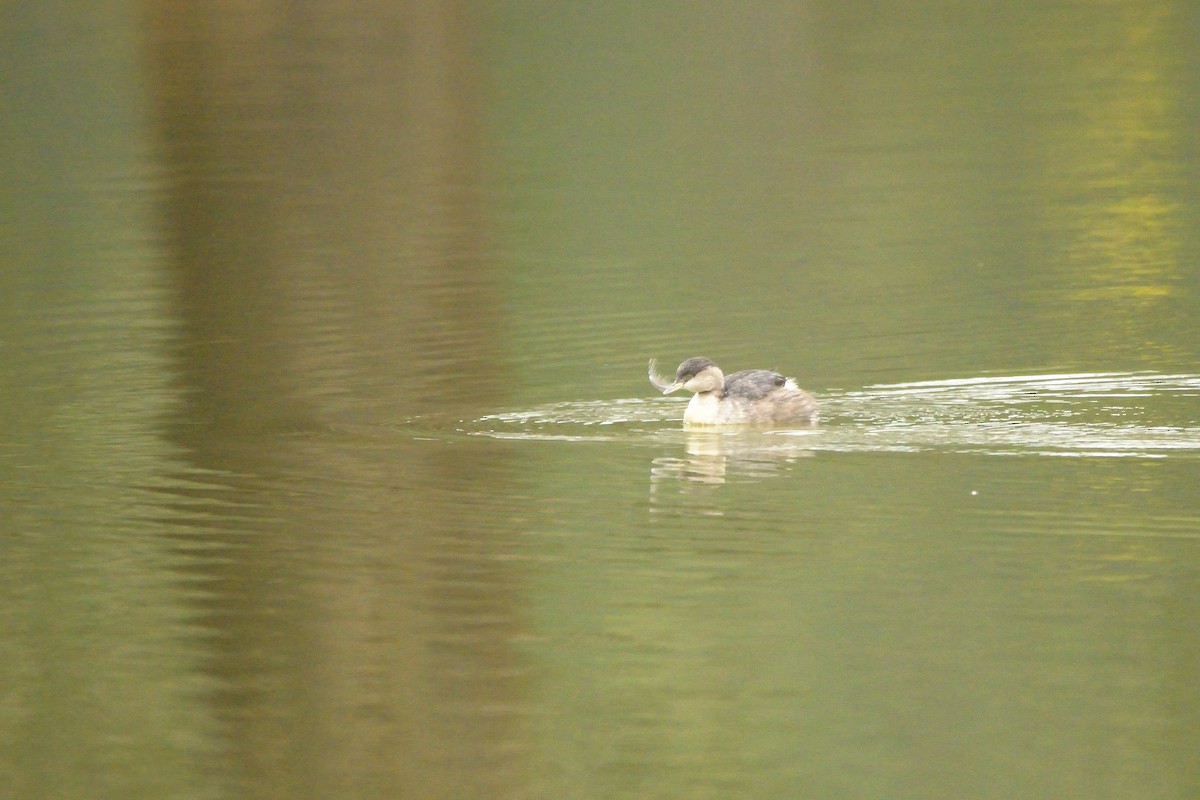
(331, 468)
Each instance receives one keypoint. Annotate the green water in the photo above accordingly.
(331, 468)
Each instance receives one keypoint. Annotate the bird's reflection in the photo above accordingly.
(714, 458)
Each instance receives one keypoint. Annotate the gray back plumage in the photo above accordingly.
(753, 384)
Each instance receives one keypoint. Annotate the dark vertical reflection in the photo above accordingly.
(99, 689)
(325, 208)
(326, 228)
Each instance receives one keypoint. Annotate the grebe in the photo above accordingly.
(750, 397)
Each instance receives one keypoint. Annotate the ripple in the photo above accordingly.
(592, 413)
(1109, 414)
(1141, 414)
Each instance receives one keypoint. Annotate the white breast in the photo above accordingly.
(704, 409)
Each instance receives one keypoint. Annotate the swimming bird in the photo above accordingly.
(749, 397)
